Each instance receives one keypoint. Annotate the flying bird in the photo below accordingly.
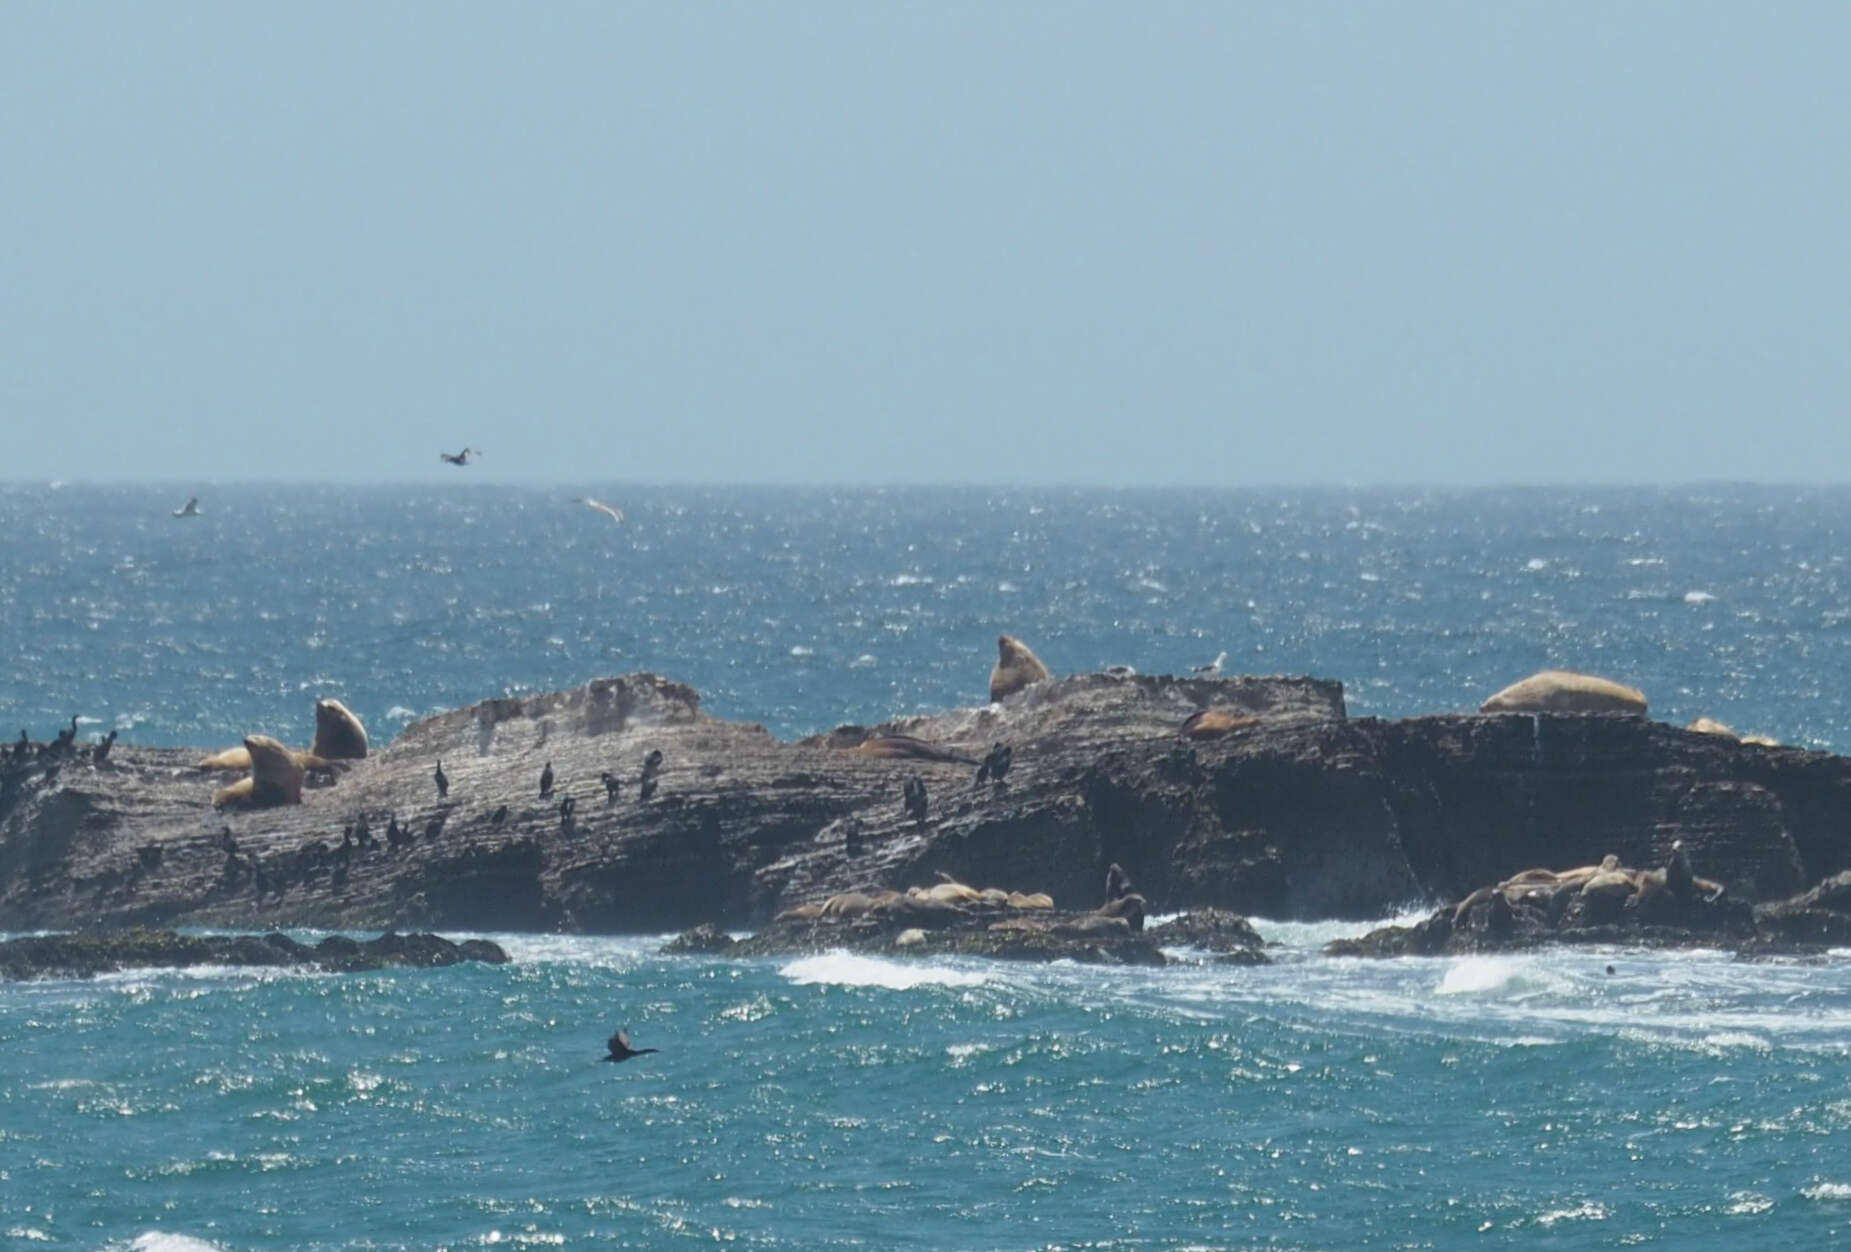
(621, 1049)
(460, 458)
(189, 509)
(615, 514)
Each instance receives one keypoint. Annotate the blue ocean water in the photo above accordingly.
(839, 1101)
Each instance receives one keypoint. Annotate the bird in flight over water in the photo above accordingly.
(1214, 666)
(460, 458)
(615, 514)
(621, 1049)
(189, 509)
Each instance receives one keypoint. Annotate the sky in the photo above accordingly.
(1210, 244)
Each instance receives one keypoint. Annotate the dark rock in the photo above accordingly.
(704, 940)
(89, 954)
(1302, 814)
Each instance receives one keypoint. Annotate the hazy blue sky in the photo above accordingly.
(930, 242)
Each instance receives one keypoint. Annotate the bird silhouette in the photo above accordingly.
(443, 780)
(1213, 667)
(460, 458)
(620, 1047)
(546, 782)
(189, 509)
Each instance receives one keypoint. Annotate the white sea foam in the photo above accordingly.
(1698, 597)
(1495, 975)
(850, 970)
(1827, 1191)
(166, 1241)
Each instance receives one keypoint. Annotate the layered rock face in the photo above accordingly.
(1303, 813)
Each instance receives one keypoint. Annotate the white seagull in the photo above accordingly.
(615, 514)
(1213, 667)
(189, 509)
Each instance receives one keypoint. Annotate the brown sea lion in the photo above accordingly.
(1213, 723)
(1564, 691)
(339, 736)
(1130, 907)
(276, 777)
(906, 747)
(1710, 726)
(1037, 900)
(1764, 741)
(1016, 668)
(1117, 882)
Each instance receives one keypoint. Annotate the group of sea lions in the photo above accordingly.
(1593, 894)
(277, 773)
(948, 895)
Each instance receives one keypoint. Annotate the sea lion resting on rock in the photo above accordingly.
(1564, 691)
(1016, 668)
(906, 747)
(339, 736)
(1213, 723)
(1710, 726)
(276, 777)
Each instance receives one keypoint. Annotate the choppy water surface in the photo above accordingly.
(834, 1102)
(842, 1102)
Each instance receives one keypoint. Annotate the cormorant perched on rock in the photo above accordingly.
(652, 763)
(620, 1047)
(546, 782)
(646, 789)
(23, 748)
(396, 835)
(565, 814)
(995, 765)
(65, 738)
(362, 833)
(443, 780)
(499, 816)
(915, 796)
(612, 785)
(851, 835)
(100, 753)
(1117, 882)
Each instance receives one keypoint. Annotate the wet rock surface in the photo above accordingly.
(87, 955)
(1292, 811)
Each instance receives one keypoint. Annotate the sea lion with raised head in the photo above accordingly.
(275, 778)
(1016, 668)
(1564, 691)
(339, 736)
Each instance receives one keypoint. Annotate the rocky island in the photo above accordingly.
(620, 806)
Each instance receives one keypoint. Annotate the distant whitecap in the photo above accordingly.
(1536, 563)
(865, 661)
(399, 713)
(1698, 597)
(800, 650)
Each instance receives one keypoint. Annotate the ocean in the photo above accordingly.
(840, 1101)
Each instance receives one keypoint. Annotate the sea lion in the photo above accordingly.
(1130, 907)
(276, 777)
(1213, 723)
(1564, 691)
(1710, 726)
(845, 904)
(1016, 668)
(907, 747)
(339, 736)
(1763, 741)
(1037, 901)
(1117, 882)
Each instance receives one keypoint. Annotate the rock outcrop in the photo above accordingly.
(1294, 810)
(87, 955)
